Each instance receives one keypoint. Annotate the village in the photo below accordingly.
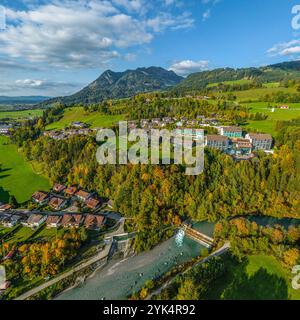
(66, 207)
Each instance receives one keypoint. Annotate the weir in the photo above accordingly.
(196, 235)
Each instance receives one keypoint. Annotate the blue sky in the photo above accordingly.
(57, 47)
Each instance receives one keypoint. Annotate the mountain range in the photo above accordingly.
(116, 85)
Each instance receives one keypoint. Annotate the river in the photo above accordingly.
(120, 278)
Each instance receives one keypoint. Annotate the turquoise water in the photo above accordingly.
(123, 277)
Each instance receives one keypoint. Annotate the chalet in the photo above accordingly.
(260, 141)
(217, 142)
(53, 221)
(34, 221)
(70, 191)
(59, 188)
(5, 207)
(57, 203)
(94, 222)
(231, 132)
(72, 221)
(83, 195)
(40, 197)
(92, 203)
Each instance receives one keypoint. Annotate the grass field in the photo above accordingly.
(17, 176)
(268, 125)
(20, 115)
(48, 234)
(232, 82)
(21, 235)
(259, 93)
(260, 277)
(94, 119)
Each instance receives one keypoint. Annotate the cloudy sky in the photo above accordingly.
(56, 47)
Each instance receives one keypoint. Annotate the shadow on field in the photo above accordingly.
(4, 195)
(259, 286)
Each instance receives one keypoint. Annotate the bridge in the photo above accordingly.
(196, 235)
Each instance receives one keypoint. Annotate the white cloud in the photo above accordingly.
(285, 48)
(186, 67)
(84, 33)
(29, 83)
(206, 15)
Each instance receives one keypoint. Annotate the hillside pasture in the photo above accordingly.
(93, 119)
(17, 176)
(268, 125)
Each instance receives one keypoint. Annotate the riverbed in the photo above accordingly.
(121, 278)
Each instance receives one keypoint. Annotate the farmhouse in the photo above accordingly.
(217, 142)
(285, 107)
(53, 221)
(260, 141)
(40, 197)
(72, 221)
(94, 222)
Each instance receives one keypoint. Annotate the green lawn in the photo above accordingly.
(46, 234)
(20, 115)
(260, 277)
(17, 176)
(22, 234)
(94, 119)
(268, 125)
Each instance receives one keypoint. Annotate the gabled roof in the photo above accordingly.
(40, 196)
(53, 219)
(92, 220)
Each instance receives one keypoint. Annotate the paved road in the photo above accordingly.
(217, 253)
(103, 254)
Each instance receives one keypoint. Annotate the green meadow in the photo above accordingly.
(94, 119)
(268, 125)
(21, 115)
(258, 94)
(17, 176)
(231, 82)
(259, 277)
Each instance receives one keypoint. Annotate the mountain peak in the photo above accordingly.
(114, 85)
